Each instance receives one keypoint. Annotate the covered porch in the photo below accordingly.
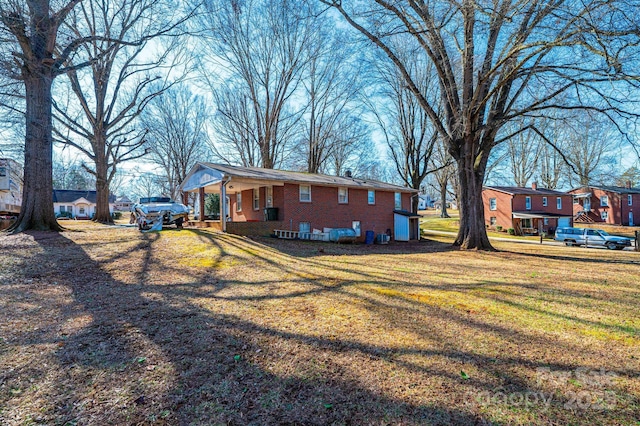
(535, 223)
(204, 180)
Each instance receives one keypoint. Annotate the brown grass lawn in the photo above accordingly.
(105, 325)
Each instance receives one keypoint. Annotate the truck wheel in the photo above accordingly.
(611, 246)
(568, 243)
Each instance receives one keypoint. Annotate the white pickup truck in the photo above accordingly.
(591, 237)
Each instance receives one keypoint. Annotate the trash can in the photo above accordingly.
(271, 214)
(369, 236)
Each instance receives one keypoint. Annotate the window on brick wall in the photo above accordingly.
(269, 200)
(629, 200)
(343, 195)
(493, 221)
(559, 203)
(493, 204)
(256, 198)
(604, 215)
(397, 201)
(527, 203)
(239, 202)
(356, 227)
(305, 193)
(544, 201)
(604, 201)
(371, 197)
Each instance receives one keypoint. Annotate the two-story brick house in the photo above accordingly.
(258, 200)
(526, 210)
(614, 205)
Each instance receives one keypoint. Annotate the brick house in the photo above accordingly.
(614, 205)
(259, 201)
(526, 210)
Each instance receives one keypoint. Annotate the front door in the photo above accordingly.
(631, 219)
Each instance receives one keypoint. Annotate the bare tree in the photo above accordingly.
(111, 93)
(524, 150)
(589, 144)
(262, 46)
(177, 134)
(29, 31)
(444, 172)
(499, 61)
(331, 86)
(409, 132)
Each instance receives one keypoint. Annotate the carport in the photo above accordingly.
(533, 223)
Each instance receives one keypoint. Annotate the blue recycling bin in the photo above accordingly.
(368, 237)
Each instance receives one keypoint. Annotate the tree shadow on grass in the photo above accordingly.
(144, 358)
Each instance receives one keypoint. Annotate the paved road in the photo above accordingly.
(511, 240)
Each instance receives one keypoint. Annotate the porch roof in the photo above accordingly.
(582, 195)
(210, 175)
(537, 215)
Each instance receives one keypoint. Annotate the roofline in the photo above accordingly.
(364, 185)
(552, 191)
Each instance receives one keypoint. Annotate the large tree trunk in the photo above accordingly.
(102, 190)
(472, 233)
(443, 198)
(37, 197)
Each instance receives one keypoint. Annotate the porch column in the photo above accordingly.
(185, 198)
(223, 206)
(201, 196)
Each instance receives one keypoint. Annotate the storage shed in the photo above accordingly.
(406, 225)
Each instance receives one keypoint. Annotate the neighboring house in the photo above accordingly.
(122, 204)
(10, 187)
(615, 205)
(526, 210)
(77, 204)
(425, 202)
(258, 201)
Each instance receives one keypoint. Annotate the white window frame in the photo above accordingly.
(527, 203)
(356, 226)
(604, 201)
(307, 194)
(343, 195)
(304, 227)
(269, 196)
(493, 204)
(493, 220)
(238, 201)
(604, 215)
(559, 203)
(397, 200)
(544, 202)
(629, 199)
(371, 197)
(256, 198)
(545, 220)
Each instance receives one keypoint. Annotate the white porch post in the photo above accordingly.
(223, 205)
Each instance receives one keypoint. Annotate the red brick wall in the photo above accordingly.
(507, 204)
(323, 211)
(503, 208)
(618, 209)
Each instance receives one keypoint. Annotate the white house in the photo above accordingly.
(79, 204)
(10, 187)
